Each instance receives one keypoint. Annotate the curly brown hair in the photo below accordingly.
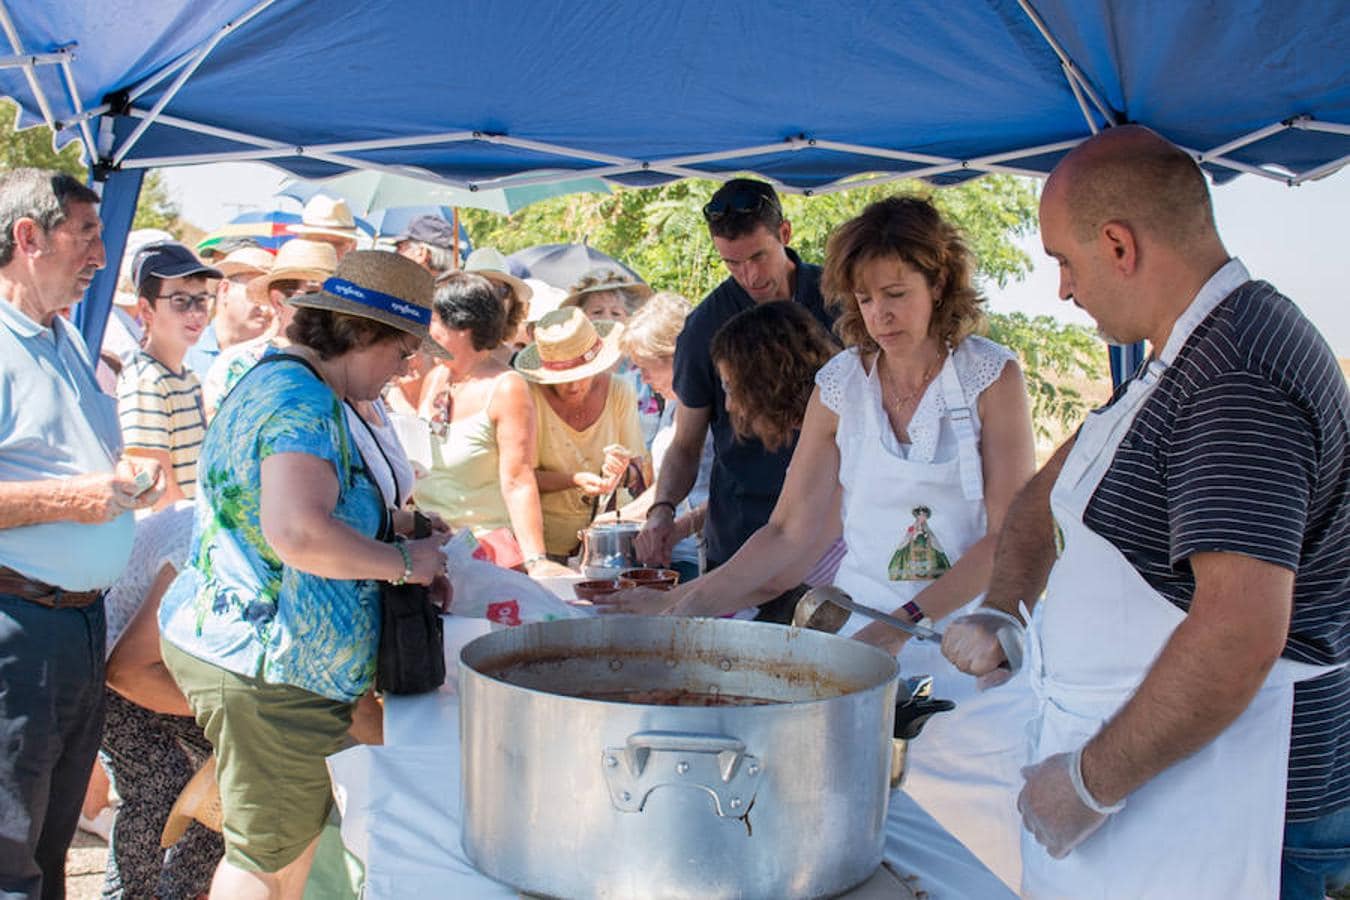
(912, 229)
(768, 357)
(331, 334)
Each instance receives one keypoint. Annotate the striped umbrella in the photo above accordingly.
(268, 228)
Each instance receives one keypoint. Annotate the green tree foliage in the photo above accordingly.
(1053, 353)
(660, 233)
(33, 147)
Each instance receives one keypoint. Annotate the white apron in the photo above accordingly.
(964, 768)
(1209, 826)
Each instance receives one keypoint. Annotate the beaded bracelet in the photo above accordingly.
(403, 550)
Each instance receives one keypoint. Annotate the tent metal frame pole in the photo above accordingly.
(29, 75)
(1238, 142)
(1320, 171)
(590, 156)
(1082, 101)
(85, 131)
(1072, 72)
(1234, 164)
(1304, 123)
(26, 60)
(199, 57)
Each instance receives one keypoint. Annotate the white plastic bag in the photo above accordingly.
(503, 596)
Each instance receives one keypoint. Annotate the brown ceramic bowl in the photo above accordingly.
(657, 579)
(588, 590)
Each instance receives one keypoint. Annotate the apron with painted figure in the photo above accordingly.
(905, 523)
(1211, 826)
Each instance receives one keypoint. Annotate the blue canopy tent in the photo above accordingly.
(488, 93)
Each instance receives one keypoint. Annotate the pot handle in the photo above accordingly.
(911, 716)
(714, 763)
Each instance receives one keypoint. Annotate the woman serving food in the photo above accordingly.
(915, 440)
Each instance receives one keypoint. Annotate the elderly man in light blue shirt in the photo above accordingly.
(66, 496)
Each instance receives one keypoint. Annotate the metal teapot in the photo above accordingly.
(607, 548)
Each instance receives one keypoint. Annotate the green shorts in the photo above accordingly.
(270, 741)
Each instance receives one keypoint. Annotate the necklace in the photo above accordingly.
(899, 401)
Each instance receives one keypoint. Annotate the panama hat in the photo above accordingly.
(599, 281)
(297, 260)
(326, 215)
(492, 265)
(569, 347)
(246, 261)
(383, 286)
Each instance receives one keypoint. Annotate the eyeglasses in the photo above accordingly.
(406, 353)
(182, 303)
(742, 201)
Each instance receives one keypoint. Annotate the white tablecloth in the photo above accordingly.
(400, 809)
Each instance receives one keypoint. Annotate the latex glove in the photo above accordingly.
(987, 644)
(1056, 805)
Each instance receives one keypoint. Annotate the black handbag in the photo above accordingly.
(412, 654)
(411, 657)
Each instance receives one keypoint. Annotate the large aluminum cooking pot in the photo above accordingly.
(571, 790)
(607, 548)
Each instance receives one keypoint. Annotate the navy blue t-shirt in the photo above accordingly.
(1241, 448)
(746, 478)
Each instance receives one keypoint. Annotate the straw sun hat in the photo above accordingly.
(383, 286)
(297, 260)
(326, 215)
(601, 281)
(246, 261)
(569, 347)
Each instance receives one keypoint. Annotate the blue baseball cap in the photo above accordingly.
(168, 259)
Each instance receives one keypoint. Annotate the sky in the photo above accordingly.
(1294, 237)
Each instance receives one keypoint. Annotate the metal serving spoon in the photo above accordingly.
(826, 608)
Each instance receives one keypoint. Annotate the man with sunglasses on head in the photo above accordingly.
(159, 399)
(745, 220)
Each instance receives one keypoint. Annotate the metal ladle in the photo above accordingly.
(826, 608)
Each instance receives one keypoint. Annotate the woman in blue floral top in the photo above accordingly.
(271, 629)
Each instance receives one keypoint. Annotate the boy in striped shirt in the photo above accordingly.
(159, 399)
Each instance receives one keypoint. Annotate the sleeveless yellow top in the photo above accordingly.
(563, 449)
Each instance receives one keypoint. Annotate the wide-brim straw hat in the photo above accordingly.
(199, 801)
(491, 264)
(384, 287)
(297, 260)
(326, 215)
(627, 286)
(246, 261)
(569, 347)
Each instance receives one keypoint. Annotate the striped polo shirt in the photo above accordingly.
(160, 409)
(1241, 448)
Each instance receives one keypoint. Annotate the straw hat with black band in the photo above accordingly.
(569, 347)
(383, 286)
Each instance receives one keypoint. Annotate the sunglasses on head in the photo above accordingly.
(738, 202)
(182, 303)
